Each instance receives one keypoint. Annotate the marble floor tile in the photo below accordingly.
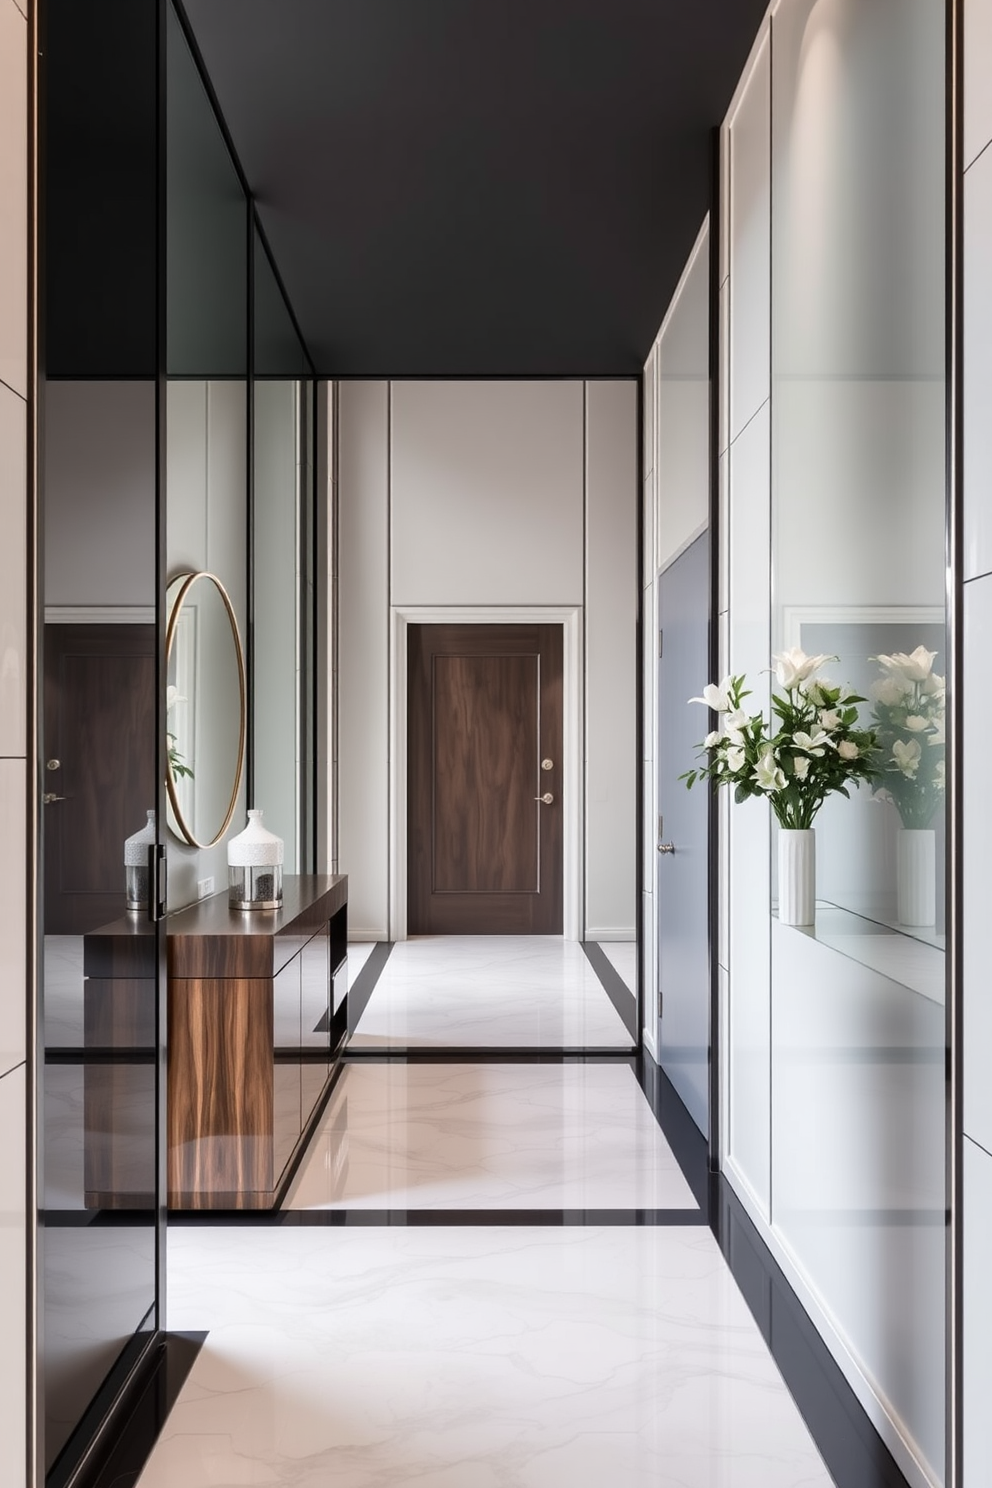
(622, 955)
(482, 991)
(473, 1358)
(359, 952)
(489, 1136)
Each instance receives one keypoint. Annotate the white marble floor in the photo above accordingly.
(480, 991)
(622, 955)
(473, 1358)
(489, 1136)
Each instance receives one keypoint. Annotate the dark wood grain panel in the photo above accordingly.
(220, 1117)
(484, 709)
(128, 947)
(209, 939)
(120, 1139)
(100, 726)
(120, 1013)
(486, 827)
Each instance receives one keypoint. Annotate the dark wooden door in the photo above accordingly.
(484, 712)
(100, 727)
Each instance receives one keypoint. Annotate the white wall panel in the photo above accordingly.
(98, 439)
(977, 1015)
(13, 598)
(750, 823)
(978, 368)
(486, 492)
(977, 1316)
(750, 246)
(13, 1289)
(14, 198)
(611, 660)
(977, 94)
(363, 654)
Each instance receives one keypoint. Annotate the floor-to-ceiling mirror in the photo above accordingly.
(858, 515)
(101, 1226)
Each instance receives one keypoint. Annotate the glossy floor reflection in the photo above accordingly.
(489, 992)
(489, 1136)
(471, 1358)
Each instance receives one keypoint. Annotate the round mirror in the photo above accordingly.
(205, 708)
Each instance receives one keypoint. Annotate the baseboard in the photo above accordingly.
(356, 933)
(611, 932)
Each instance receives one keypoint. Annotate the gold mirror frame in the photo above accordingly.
(186, 582)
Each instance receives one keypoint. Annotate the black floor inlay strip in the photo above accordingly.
(439, 1218)
(359, 994)
(614, 985)
(127, 1459)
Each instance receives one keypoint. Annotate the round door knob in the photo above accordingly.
(547, 764)
(547, 798)
(53, 764)
(666, 847)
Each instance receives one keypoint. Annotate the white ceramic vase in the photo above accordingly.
(797, 876)
(916, 876)
(137, 877)
(254, 866)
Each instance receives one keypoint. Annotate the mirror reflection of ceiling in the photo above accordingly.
(462, 189)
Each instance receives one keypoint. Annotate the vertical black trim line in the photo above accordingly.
(34, 310)
(391, 661)
(584, 673)
(716, 539)
(954, 866)
(161, 584)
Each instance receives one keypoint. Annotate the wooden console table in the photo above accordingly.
(257, 1007)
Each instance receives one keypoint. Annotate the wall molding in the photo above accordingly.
(616, 933)
(571, 619)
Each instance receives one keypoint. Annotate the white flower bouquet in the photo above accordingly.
(816, 748)
(909, 725)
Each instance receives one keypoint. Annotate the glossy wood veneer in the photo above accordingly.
(210, 939)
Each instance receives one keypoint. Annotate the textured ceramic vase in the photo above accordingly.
(916, 876)
(137, 876)
(797, 877)
(254, 866)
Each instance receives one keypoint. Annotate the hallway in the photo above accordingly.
(491, 1269)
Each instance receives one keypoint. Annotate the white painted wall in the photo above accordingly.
(479, 494)
(275, 706)
(363, 654)
(611, 660)
(206, 528)
(977, 1009)
(14, 500)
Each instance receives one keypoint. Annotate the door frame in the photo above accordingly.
(569, 617)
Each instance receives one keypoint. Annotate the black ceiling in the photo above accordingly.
(477, 187)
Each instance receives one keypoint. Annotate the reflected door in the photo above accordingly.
(683, 873)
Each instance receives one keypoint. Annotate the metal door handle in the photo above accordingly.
(54, 764)
(50, 796)
(547, 798)
(666, 847)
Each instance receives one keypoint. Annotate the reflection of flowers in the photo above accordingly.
(817, 749)
(909, 722)
(177, 764)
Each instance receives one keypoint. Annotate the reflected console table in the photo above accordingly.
(257, 1009)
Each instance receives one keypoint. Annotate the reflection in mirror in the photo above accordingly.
(205, 708)
(858, 459)
(99, 990)
(283, 583)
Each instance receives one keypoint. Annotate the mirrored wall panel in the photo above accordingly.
(100, 968)
(858, 515)
(206, 485)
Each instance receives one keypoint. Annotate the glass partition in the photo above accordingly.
(858, 506)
